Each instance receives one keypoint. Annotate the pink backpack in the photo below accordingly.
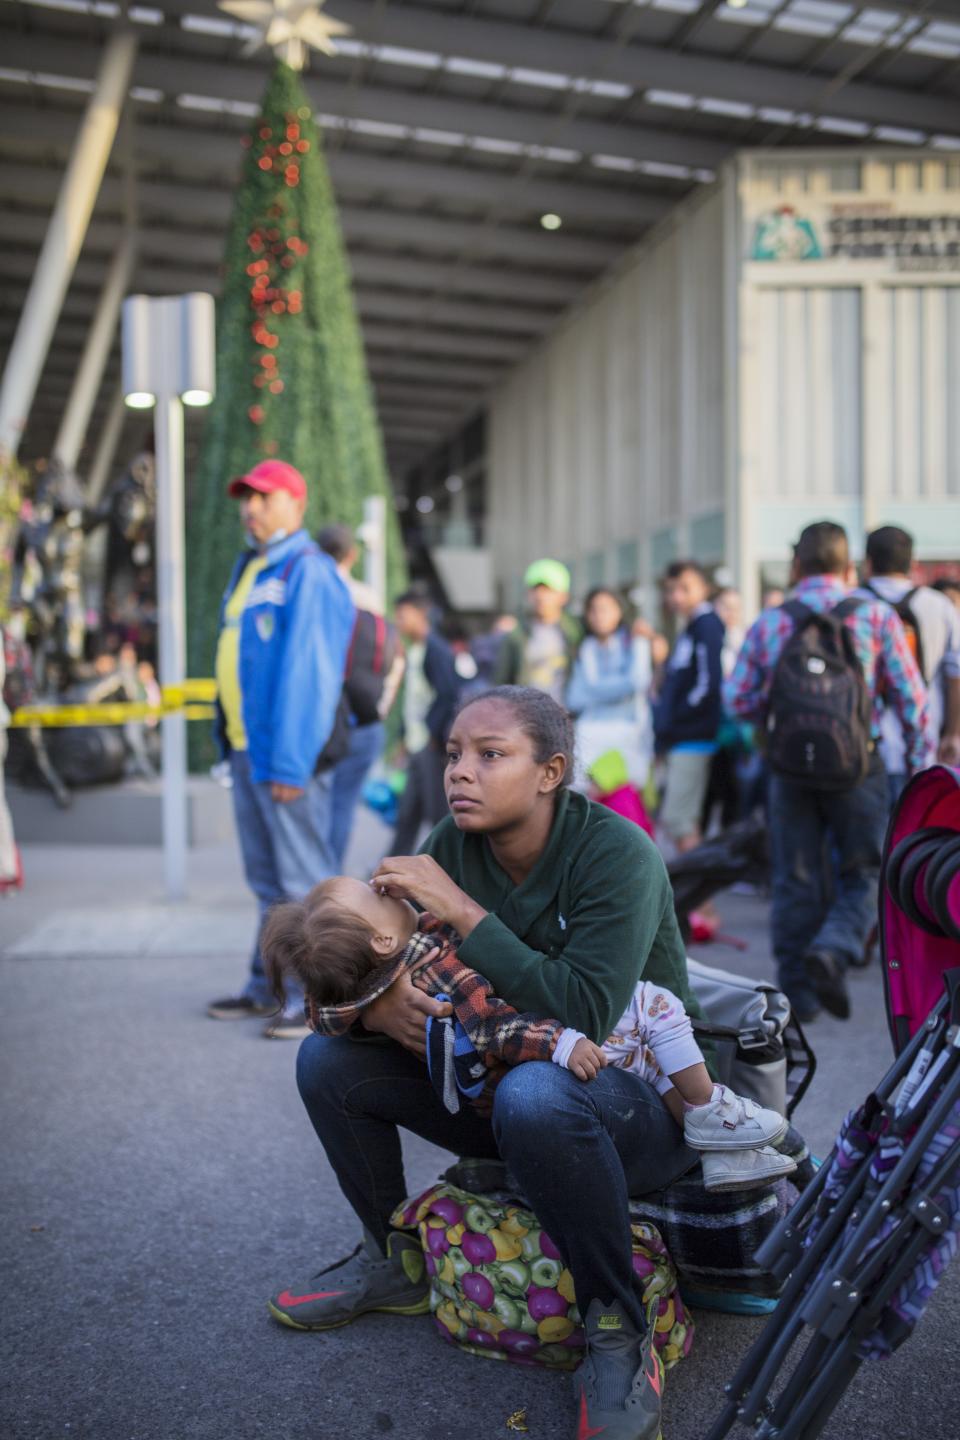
(628, 802)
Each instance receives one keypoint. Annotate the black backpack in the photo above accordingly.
(910, 624)
(819, 716)
(373, 649)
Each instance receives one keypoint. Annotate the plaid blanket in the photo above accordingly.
(713, 1236)
(496, 1030)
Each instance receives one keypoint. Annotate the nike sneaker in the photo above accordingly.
(366, 1280)
(617, 1388)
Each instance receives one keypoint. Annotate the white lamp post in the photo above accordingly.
(169, 362)
(373, 533)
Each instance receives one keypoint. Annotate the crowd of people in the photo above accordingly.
(674, 736)
(533, 917)
(529, 950)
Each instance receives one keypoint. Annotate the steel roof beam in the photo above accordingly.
(332, 94)
(90, 274)
(449, 398)
(391, 353)
(390, 271)
(513, 43)
(56, 390)
(378, 29)
(199, 151)
(22, 182)
(424, 433)
(442, 402)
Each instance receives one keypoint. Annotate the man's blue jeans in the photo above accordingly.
(825, 852)
(577, 1150)
(896, 784)
(366, 746)
(286, 851)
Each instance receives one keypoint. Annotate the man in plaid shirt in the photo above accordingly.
(818, 927)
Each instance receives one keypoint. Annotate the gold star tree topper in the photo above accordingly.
(288, 27)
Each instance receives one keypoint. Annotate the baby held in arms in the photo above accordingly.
(347, 944)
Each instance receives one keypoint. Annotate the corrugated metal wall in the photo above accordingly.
(611, 434)
(920, 380)
(840, 378)
(802, 435)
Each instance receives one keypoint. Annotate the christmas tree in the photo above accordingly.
(291, 372)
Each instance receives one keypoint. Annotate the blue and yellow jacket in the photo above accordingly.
(295, 632)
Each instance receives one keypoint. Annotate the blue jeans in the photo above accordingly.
(825, 851)
(896, 784)
(366, 745)
(423, 798)
(285, 853)
(577, 1150)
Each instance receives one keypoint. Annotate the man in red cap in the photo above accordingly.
(285, 628)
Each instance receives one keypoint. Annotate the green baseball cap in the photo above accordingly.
(549, 573)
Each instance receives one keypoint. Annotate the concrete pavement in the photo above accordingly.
(161, 1179)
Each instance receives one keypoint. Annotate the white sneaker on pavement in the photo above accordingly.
(731, 1122)
(743, 1169)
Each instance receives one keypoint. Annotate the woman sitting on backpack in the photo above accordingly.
(565, 906)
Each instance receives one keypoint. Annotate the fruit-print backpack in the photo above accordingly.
(499, 1287)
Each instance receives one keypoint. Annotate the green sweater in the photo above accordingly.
(593, 916)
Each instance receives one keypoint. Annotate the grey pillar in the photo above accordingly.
(64, 237)
(86, 383)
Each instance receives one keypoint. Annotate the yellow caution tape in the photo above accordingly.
(193, 697)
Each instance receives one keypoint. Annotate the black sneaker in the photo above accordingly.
(826, 975)
(238, 1007)
(618, 1386)
(804, 1007)
(287, 1027)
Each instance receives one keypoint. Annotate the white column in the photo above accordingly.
(373, 532)
(106, 449)
(64, 237)
(171, 626)
(86, 383)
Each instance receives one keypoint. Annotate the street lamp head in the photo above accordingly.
(169, 347)
(140, 400)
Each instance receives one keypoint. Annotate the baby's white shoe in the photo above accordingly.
(731, 1122)
(743, 1169)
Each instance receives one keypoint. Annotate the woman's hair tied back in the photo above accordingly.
(549, 727)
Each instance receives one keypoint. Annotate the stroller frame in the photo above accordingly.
(859, 1230)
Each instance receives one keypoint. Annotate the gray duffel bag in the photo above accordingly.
(758, 1045)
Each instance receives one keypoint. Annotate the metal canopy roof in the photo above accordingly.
(451, 127)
